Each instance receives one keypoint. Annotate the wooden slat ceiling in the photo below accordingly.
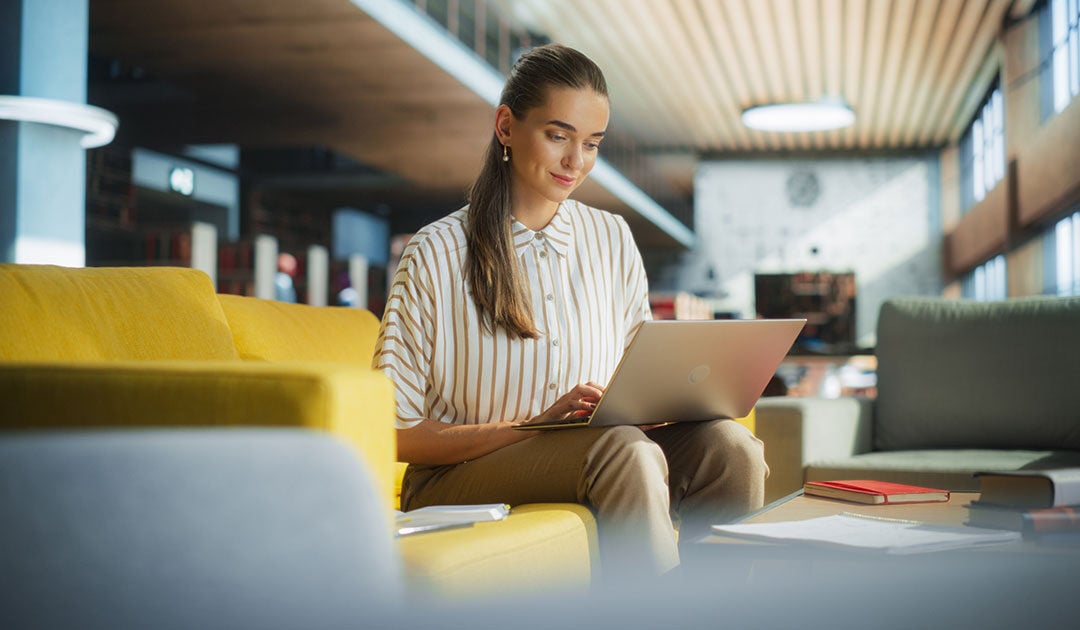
(682, 71)
(278, 73)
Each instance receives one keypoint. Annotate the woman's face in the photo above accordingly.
(554, 147)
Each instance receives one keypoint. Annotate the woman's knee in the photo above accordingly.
(627, 452)
(738, 445)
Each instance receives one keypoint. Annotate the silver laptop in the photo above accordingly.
(687, 371)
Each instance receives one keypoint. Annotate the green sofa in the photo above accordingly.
(157, 347)
(962, 387)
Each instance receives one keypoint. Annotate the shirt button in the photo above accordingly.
(549, 297)
(539, 236)
(543, 254)
(555, 343)
(551, 386)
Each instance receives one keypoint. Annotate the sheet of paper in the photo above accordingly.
(887, 535)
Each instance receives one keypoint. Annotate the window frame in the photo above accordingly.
(989, 282)
(1059, 37)
(982, 151)
(1061, 263)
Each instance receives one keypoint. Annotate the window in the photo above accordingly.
(982, 150)
(987, 283)
(1060, 36)
(1062, 246)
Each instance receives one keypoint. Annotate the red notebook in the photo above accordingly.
(869, 491)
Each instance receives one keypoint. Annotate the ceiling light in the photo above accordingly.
(798, 117)
(98, 124)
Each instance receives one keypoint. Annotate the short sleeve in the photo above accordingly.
(405, 344)
(635, 283)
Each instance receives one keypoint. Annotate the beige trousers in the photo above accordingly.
(635, 482)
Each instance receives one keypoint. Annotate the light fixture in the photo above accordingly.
(98, 124)
(817, 116)
(182, 180)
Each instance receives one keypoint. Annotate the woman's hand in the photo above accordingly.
(437, 443)
(575, 404)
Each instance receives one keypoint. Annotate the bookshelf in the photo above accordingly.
(133, 225)
(247, 266)
(679, 305)
(129, 226)
(826, 299)
(110, 194)
(299, 228)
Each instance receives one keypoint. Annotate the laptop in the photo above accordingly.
(688, 371)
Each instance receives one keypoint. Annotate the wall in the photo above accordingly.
(877, 216)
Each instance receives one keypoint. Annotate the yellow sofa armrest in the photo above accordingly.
(354, 403)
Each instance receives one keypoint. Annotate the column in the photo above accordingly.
(45, 128)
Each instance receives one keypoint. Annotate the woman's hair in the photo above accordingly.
(492, 271)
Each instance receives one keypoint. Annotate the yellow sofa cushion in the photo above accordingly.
(544, 546)
(278, 331)
(353, 403)
(60, 314)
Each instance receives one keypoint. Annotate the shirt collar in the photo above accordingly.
(557, 233)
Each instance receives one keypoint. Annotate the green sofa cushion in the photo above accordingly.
(959, 374)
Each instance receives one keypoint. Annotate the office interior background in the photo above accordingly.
(218, 135)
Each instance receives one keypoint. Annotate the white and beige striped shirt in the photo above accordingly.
(589, 295)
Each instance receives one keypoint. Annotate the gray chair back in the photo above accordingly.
(961, 374)
(208, 528)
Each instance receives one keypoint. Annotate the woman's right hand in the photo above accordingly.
(574, 404)
(438, 443)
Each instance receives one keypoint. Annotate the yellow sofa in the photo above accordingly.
(114, 347)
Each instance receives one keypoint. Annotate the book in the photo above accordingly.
(1030, 488)
(436, 517)
(874, 492)
(870, 533)
(1031, 523)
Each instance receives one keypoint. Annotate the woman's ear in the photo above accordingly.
(503, 118)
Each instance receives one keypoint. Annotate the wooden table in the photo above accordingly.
(797, 507)
(1012, 585)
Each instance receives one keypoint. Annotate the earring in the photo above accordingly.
(506, 155)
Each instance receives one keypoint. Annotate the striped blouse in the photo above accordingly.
(589, 295)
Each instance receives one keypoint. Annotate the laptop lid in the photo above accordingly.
(687, 371)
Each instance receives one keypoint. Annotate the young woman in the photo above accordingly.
(517, 308)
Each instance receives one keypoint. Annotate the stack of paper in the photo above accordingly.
(863, 532)
(435, 517)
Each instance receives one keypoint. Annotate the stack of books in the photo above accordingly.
(1043, 505)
